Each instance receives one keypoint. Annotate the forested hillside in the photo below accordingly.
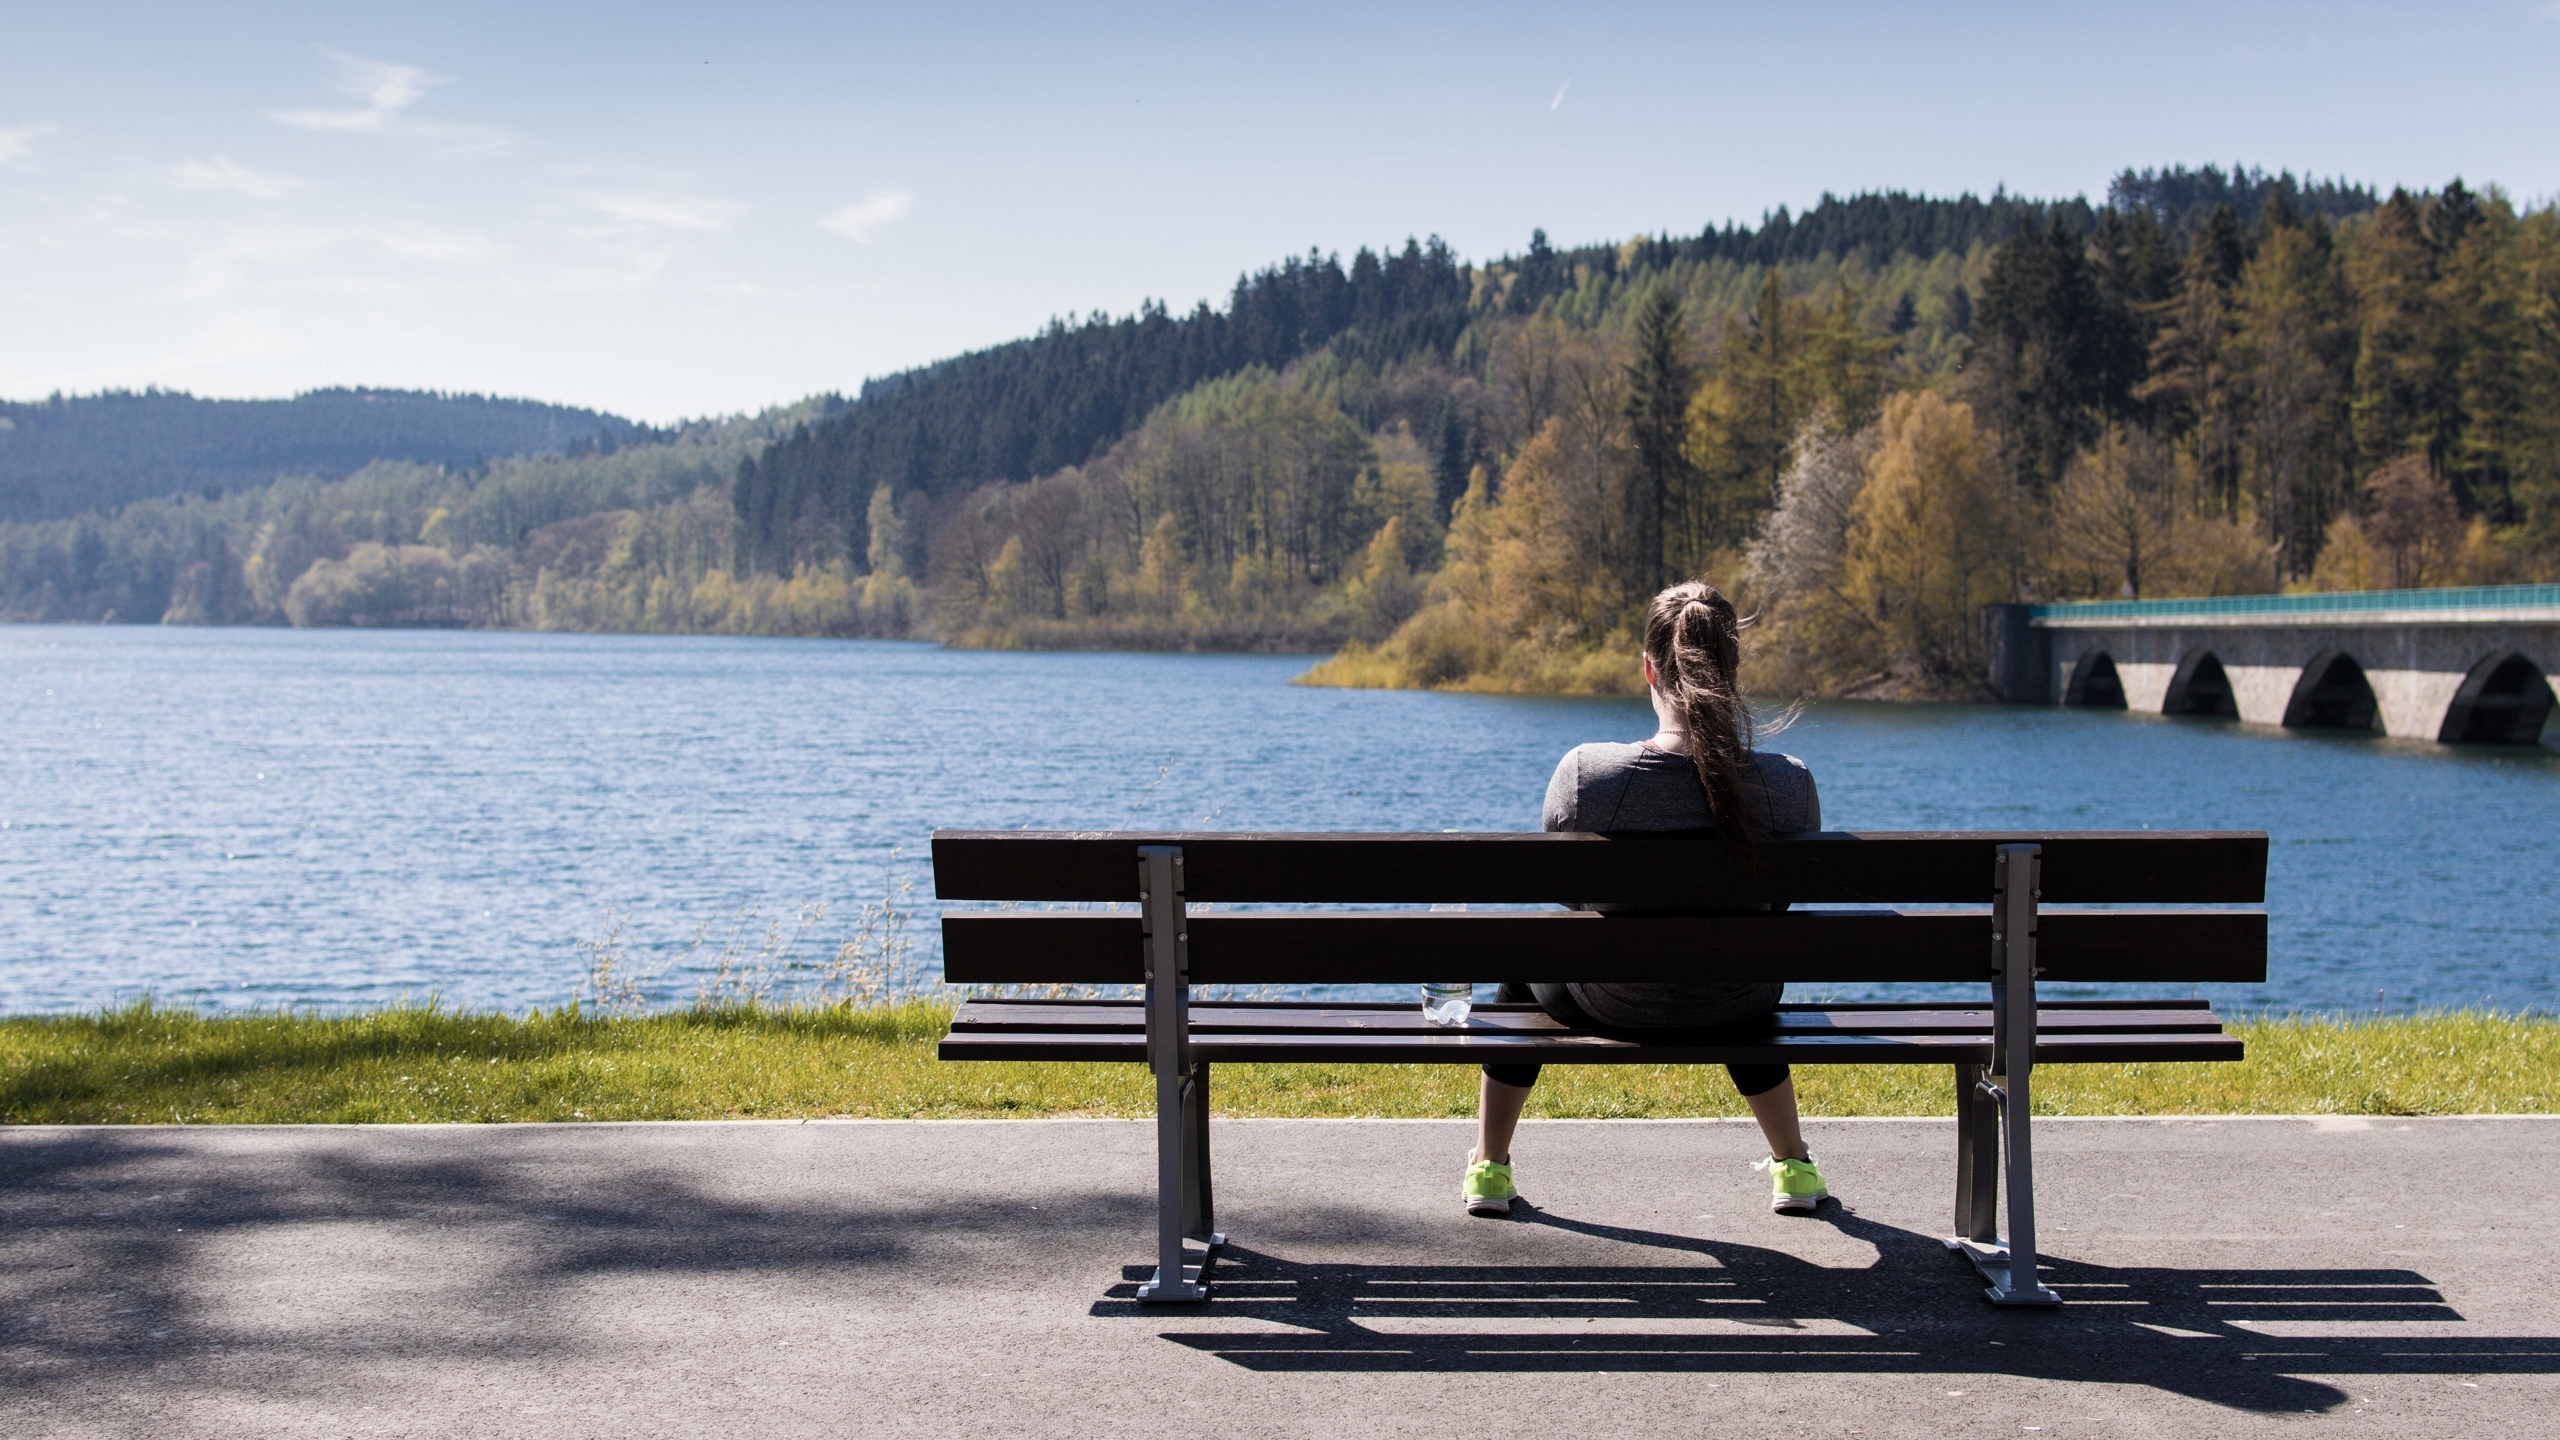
(1039, 405)
(70, 455)
(516, 543)
(1867, 420)
(1060, 399)
(2294, 402)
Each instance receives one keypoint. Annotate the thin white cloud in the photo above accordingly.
(667, 214)
(855, 222)
(19, 141)
(220, 173)
(1558, 102)
(386, 88)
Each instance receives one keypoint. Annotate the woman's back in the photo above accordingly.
(1614, 787)
(1641, 788)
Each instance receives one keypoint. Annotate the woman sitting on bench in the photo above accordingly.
(1698, 772)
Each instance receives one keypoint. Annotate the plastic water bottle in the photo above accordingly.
(1448, 1002)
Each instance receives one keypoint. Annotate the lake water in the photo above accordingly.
(264, 818)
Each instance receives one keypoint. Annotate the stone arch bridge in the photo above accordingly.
(2462, 666)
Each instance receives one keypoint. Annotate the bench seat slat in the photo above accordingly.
(1472, 1049)
(1209, 1018)
(1834, 867)
(1815, 946)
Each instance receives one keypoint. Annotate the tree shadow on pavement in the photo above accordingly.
(1917, 1310)
(126, 1251)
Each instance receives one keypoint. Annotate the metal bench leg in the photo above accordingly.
(1977, 1159)
(2019, 1285)
(1199, 1208)
(2008, 1269)
(1182, 1089)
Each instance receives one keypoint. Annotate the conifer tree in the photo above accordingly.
(2190, 390)
(1452, 455)
(1843, 367)
(2288, 351)
(1660, 382)
(2399, 333)
(2496, 425)
(2039, 370)
(2135, 272)
(1742, 423)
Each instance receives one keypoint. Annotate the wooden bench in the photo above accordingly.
(2000, 937)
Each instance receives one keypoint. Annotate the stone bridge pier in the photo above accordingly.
(2461, 666)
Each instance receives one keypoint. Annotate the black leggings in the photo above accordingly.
(1749, 1079)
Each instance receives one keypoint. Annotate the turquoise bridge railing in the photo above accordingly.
(2338, 602)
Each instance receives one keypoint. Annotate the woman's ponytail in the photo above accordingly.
(1694, 640)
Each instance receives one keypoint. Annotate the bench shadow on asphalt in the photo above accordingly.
(1919, 1306)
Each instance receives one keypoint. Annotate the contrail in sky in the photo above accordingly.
(1558, 102)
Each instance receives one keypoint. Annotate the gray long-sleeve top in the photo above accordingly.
(1623, 788)
(1611, 787)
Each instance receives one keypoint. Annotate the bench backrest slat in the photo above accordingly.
(1833, 947)
(1834, 867)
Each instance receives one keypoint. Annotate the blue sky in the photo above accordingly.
(670, 211)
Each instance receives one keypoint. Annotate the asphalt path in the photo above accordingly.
(2224, 1277)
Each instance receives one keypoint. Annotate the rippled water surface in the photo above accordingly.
(264, 818)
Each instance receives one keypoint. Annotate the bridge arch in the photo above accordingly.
(2333, 694)
(2094, 683)
(2201, 687)
(2505, 700)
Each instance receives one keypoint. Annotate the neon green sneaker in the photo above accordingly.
(1795, 1187)
(1488, 1189)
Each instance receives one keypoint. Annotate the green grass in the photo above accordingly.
(148, 1065)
